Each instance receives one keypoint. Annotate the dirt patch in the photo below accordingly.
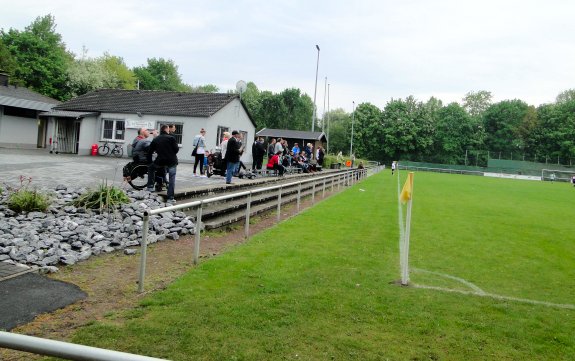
(110, 280)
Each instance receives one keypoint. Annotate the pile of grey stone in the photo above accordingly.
(66, 234)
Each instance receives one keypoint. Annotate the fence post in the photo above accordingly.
(248, 208)
(298, 195)
(279, 204)
(143, 252)
(313, 192)
(323, 189)
(198, 232)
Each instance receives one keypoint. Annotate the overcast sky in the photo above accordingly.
(371, 51)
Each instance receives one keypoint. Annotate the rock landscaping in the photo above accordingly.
(66, 234)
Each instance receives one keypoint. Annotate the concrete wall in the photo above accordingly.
(16, 132)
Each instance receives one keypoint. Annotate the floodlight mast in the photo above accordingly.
(315, 91)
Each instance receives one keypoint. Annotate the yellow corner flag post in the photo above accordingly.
(406, 196)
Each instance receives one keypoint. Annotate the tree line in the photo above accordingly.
(407, 129)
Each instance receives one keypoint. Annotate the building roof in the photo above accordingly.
(287, 133)
(67, 114)
(149, 102)
(20, 97)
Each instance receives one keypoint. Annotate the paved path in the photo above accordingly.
(49, 170)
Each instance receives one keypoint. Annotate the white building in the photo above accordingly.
(114, 116)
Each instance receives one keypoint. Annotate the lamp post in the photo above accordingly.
(327, 149)
(315, 91)
(352, 120)
(324, 97)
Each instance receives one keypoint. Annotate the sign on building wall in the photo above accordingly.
(137, 124)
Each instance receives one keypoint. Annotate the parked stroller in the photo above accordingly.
(216, 165)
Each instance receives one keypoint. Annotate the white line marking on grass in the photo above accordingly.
(476, 289)
(479, 292)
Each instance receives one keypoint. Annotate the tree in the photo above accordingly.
(41, 56)
(124, 76)
(455, 133)
(554, 133)
(87, 74)
(476, 103)
(160, 74)
(289, 109)
(565, 96)
(339, 126)
(407, 130)
(503, 122)
(8, 63)
(368, 132)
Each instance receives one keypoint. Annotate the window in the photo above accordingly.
(20, 112)
(177, 134)
(245, 140)
(113, 129)
(220, 135)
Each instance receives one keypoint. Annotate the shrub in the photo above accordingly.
(103, 197)
(24, 200)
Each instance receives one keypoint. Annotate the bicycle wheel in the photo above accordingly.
(118, 152)
(103, 150)
(138, 179)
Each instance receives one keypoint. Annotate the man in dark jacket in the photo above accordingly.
(258, 152)
(232, 155)
(166, 148)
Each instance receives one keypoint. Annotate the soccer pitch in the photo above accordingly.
(492, 278)
(501, 237)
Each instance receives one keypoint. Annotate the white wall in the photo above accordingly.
(234, 116)
(16, 132)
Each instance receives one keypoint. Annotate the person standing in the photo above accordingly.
(279, 146)
(232, 156)
(320, 155)
(308, 149)
(393, 165)
(271, 148)
(200, 150)
(166, 148)
(258, 152)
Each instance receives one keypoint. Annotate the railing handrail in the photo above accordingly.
(69, 351)
(199, 208)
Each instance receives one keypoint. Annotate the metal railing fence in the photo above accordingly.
(348, 178)
(65, 350)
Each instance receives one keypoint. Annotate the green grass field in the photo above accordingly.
(323, 285)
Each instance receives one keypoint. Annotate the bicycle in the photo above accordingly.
(136, 176)
(117, 150)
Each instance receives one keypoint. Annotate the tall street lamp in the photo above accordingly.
(327, 150)
(315, 91)
(352, 120)
(324, 97)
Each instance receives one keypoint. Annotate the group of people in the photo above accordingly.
(160, 154)
(280, 156)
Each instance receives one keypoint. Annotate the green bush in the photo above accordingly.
(103, 197)
(24, 200)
